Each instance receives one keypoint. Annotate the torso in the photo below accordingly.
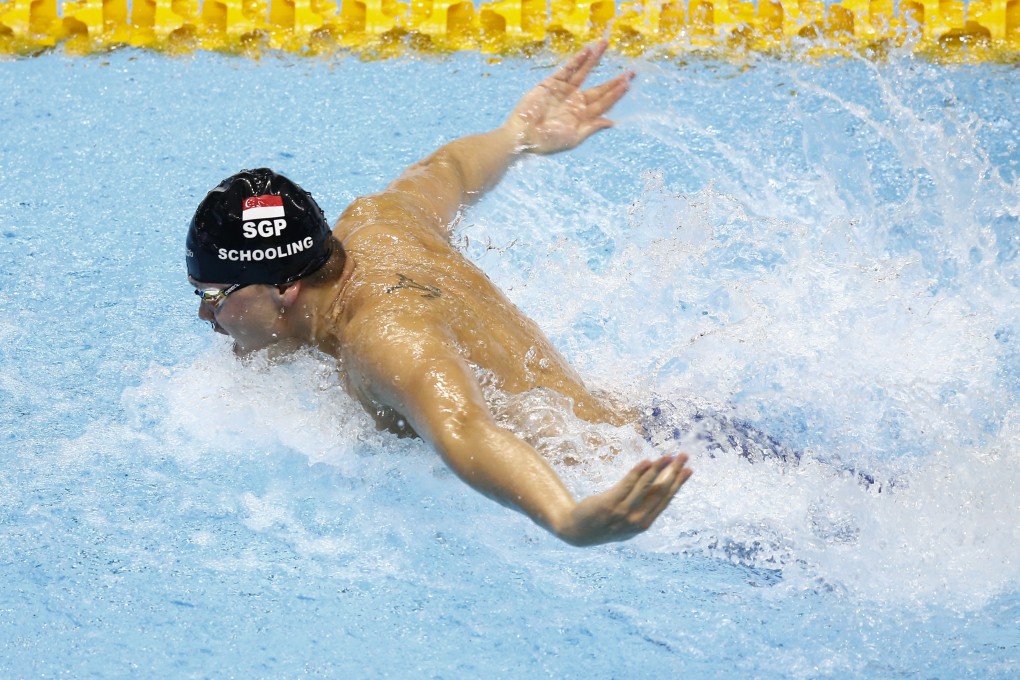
(408, 281)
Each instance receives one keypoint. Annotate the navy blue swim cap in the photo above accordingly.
(257, 227)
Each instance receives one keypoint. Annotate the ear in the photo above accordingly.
(289, 293)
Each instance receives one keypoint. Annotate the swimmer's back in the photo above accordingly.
(408, 277)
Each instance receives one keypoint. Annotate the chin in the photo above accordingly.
(243, 351)
(274, 348)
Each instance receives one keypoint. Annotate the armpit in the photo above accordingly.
(388, 419)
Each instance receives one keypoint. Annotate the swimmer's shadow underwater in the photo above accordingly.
(664, 425)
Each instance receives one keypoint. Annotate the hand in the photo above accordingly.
(628, 508)
(558, 115)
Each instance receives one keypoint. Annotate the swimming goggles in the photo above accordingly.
(214, 297)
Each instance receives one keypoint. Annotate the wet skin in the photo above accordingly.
(411, 321)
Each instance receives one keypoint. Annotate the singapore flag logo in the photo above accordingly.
(262, 208)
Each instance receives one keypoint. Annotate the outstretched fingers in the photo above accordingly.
(558, 114)
(639, 491)
(592, 126)
(630, 506)
(580, 65)
(622, 492)
(601, 98)
(662, 501)
(655, 488)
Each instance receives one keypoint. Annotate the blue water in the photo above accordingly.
(830, 251)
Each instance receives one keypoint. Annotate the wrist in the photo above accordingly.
(517, 132)
(564, 526)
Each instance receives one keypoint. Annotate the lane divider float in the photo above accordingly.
(952, 29)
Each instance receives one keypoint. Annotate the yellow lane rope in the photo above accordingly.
(949, 29)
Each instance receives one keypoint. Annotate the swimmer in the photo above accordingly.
(408, 317)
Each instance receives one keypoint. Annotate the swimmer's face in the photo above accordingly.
(248, 314)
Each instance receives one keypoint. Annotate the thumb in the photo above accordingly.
(593, 126)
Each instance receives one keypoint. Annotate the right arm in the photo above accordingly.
(441, 399)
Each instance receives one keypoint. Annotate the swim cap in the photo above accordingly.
(257, 227)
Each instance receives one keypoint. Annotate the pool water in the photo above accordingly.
(828, 251)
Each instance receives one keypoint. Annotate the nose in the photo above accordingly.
(205, 313)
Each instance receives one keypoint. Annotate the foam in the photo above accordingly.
(855, 327)
(867, 326)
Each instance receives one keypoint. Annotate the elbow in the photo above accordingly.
(460, 439)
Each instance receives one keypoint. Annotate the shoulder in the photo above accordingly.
(388, 208)
(387, 214)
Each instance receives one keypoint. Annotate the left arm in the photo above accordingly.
(437, 392)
